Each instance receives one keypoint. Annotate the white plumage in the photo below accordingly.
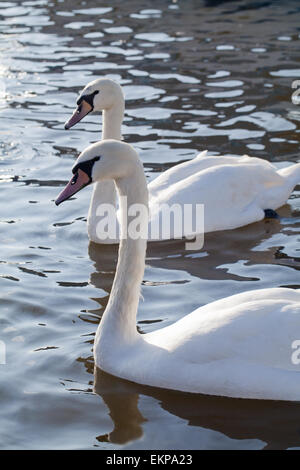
(240, 346)
(235, 191)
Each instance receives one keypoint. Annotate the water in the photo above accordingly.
(197, 75)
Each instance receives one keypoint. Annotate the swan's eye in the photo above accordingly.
(88, 98)
(86, 167)
(74, 179)
(79, 109)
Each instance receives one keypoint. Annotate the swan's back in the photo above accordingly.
(234, 192)
(201, 162)
(260, 317)
(240, 346)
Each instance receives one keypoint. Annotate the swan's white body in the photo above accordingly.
(234, 190)
(240, 346)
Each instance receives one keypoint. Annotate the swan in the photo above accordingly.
(239, 346)
(251, 188)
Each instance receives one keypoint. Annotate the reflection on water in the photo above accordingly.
(275, 424)
(197, 75)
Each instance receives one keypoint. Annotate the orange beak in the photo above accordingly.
(82, 110)
(76, 183)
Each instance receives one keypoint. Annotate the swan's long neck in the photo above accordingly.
(105, 193)
(112, 121)
(118, 324)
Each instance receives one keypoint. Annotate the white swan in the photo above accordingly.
(248, 186)
(240, 346)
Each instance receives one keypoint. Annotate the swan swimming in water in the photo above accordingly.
(250, 186)
(239, 346)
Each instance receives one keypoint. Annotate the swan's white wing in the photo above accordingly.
(184, 170)
(201, 162)
(238, 346)
(233, 194)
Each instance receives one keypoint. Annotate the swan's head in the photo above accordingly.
(109, 159)
(98, 95)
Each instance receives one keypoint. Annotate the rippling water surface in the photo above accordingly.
(197, 75)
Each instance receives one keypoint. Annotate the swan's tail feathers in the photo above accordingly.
(291, 173)
(202, 154)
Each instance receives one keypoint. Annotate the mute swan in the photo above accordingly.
(249, 186)
(240, 346)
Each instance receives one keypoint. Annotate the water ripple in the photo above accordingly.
(196, 75)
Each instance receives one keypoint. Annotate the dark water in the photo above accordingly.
(197, 75)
